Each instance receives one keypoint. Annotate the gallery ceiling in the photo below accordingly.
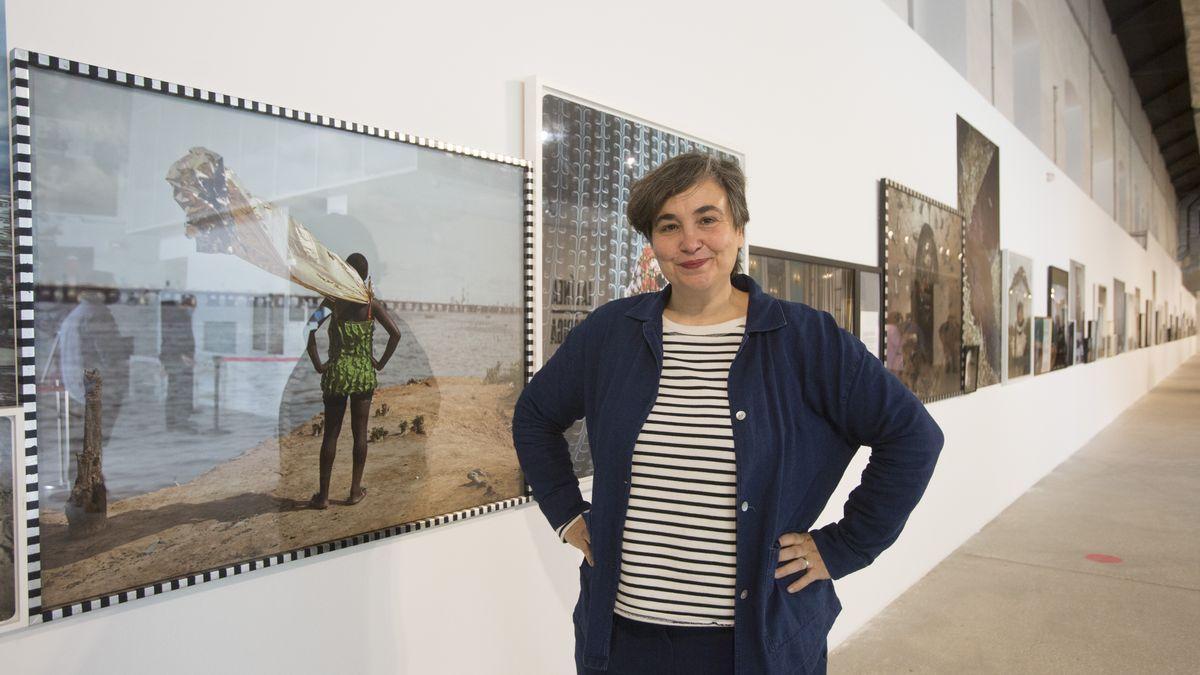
(1151, 34)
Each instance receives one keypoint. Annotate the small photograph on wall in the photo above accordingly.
(1119, 324)
(1101, 314)
(1056, 307)
(258, 334)
(1135, 309)
(1018, 316)
(979, 201)
(1043, 344)
(8, 532)
(1077, 309)
(970, 368)
(590, 158)
(922, 245)
(1130, 323)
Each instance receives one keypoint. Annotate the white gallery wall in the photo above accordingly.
(823, 98)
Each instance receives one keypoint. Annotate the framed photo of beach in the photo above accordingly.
(257, 334)
(590, 155)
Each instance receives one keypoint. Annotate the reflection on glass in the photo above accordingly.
(824, 287)
(182, 423)
(8, 327)
(8, 533)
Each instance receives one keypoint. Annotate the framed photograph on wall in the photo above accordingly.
(1056, 307)
(1120, 325)
(1043, 344)
(848, 291)
(1017, 342)
(979, 201)
(921, 250)
(186, 417)
(1077, 309)
(590, 155)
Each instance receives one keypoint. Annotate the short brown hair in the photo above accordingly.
(674, 177)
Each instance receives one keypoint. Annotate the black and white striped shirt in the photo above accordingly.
(679, 554)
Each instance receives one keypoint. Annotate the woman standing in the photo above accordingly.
(349, 374)
(720, 421)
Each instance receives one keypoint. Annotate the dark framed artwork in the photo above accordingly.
(1057, 309)
(921, 249)
(970, 360)
(590, 157)
(179, 418)
(1119, 323)
(848, 291)
(979, 200)
(1043, 344)
(1017, 304)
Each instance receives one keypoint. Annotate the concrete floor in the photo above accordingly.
(1022, 596)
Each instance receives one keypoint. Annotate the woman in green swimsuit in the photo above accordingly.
(350, 374)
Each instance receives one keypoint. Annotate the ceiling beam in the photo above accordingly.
(1122, 23)
(1165, 148)
(1189, 158)
(1186, 113)
(1139, 68)
(1170, 89)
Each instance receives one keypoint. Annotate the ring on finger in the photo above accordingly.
(807, 564)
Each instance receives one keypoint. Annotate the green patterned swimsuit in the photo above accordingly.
(352, 370)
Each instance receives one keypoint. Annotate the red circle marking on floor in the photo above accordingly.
(1102, 558)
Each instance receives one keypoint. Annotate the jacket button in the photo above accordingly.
(745, 506)
(741, 415)
(744, 595)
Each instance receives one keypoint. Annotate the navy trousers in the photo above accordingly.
(639, 648)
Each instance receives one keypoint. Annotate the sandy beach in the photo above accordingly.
(257, 504)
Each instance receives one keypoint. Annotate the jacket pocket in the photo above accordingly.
(803, 617)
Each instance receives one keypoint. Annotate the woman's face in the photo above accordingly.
(694, 239)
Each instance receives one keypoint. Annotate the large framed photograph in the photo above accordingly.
(1018, 316)
(1057, 309)
(979, 200)
(258, 334)
(587, 253)
(921, 252)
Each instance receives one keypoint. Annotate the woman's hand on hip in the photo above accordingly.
(577, 536)
(798, 553)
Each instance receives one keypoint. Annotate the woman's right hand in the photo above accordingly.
(577, 536)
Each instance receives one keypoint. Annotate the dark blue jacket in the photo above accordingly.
(811, 394)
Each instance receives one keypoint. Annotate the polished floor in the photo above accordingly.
(1095, 570)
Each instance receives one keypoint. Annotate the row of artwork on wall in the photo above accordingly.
(170, 431)
(958, 311)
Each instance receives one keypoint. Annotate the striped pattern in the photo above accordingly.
(679, 552)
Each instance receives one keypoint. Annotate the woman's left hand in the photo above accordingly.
(800, 554)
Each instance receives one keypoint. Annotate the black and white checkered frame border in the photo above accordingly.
(20, 63)
(886, 185)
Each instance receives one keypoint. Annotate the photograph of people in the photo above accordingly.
(721, 420)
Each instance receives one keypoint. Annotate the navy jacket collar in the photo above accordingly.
(764, 312)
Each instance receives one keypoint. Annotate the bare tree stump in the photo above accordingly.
(87, 508)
